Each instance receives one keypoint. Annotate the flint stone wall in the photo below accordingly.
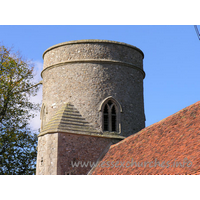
(88, 71)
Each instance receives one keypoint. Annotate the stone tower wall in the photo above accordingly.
(65, 154)
(86, 72)
(47, 154)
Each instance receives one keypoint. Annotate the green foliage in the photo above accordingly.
(17, 142)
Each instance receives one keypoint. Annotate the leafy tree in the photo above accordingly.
(17, 141)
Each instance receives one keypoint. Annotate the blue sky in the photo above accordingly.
(171, 61)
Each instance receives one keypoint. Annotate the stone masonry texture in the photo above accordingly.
(85, 73)
(87, 84)
(47, 154)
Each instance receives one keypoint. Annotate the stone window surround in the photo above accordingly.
(118, 113)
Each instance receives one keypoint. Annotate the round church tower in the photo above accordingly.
(95, 75)
(92, 97)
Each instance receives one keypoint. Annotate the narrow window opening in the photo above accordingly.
(113, 118)
(106, 118)
(110, 117)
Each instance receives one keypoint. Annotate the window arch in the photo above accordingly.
(111, 109)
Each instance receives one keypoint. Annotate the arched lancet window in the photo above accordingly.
(110, 116)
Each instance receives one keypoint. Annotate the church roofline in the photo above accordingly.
(77, 133)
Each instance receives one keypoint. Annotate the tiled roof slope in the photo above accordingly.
(68, 119)
(172, 141)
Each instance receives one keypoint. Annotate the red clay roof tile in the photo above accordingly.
(171, 146)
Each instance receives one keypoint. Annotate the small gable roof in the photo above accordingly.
(68, 119)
